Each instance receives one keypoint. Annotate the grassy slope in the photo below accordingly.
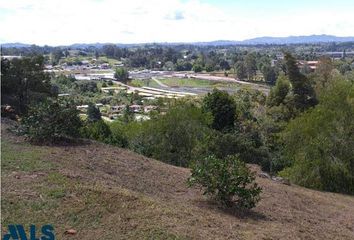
(106, 192)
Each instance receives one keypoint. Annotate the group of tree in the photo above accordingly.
(302, 131)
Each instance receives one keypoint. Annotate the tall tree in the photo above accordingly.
(304, 94)
(23, 81)
(323, 73)
(240, 70)
(222, 107)
(251, 65)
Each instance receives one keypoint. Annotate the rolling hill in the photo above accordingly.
(311, 39)
(105, 192)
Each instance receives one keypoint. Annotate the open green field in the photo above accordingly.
(187, 82)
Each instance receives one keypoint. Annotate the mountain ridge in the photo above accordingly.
(266, 40)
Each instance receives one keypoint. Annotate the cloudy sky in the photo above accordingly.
(62, 22)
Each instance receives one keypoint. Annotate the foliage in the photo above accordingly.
(97, 130)
(197, 68)
(228, 180)
(322, 149)
(51, 121)
(250, 65)
(245, 145)
(93, 113)
(303, 92)
(23, 81)
(240, 70)
(222, 107)
(86, 86)
(173, 137)
(121, 74)
(279, 92)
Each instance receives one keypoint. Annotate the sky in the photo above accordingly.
(64, 22)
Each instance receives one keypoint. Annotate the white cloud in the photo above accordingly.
(87, 21)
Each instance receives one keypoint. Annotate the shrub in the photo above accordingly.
(51, 121)
(97, 130)
(172, 137)
(228, 180)
(93, 113)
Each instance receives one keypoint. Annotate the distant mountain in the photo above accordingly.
(297, 39)
(253, 41)
(15, 45)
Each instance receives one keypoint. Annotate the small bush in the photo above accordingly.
(228, 180)
(51, 121)
(97, 130)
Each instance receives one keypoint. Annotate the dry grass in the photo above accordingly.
(106, 192)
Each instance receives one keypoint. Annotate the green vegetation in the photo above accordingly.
(258, 129)
(93, 113)
(51, 121)
(188, 82)
(228, 180)
(121, 74)
(222, 108)
(27, 160)
(23, 81)
(171, 138)
(322, 149)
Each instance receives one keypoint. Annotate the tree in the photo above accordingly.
(240, 70)
(93, 113)
(250, 65)
(222, 107)
(323, 73)
(197, 68)
(97, 130)
(51, 121)
(228, 180)
(322, 149)
(269, 74)
(324, 69)
(172, 137)
(121, 74)
(224, 65)
(279, 92)
(86, 86)
(303, 92)
(56, 55)
(23, 81)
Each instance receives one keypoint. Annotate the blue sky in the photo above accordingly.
(136, 21)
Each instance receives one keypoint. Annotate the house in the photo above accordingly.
(82, 107)
(149, 108)
(135, 108)
(310, 64)
(118, 108)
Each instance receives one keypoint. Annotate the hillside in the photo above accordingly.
(298, 39)
(105, 192)
(253, 41)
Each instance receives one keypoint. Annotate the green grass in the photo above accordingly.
(143, 83)
(27, 159)
(187, 82)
